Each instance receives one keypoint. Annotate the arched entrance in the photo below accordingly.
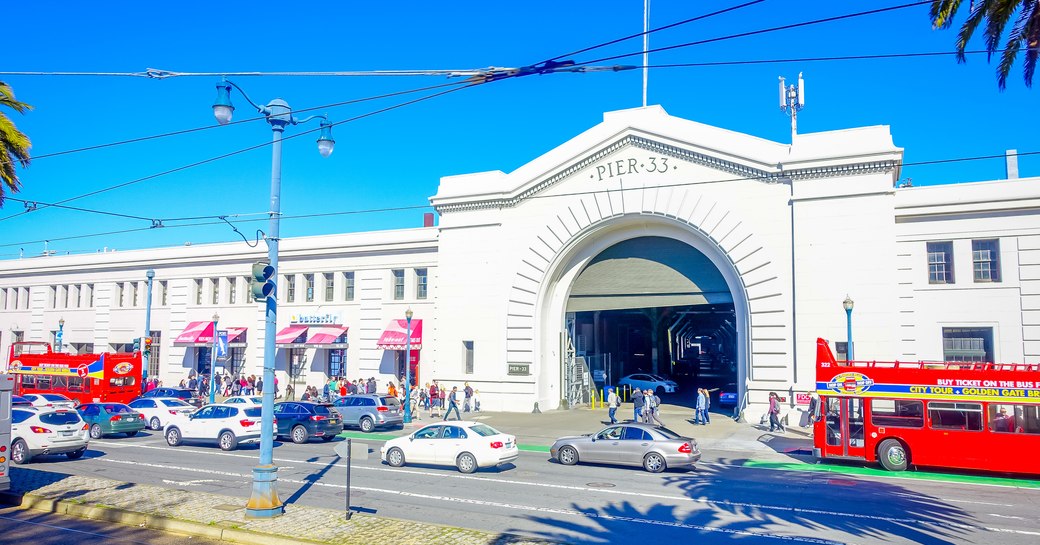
(652, 277)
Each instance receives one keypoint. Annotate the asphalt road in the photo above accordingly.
(718, 502)
(37, 528)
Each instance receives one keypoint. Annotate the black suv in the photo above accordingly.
(184, 394)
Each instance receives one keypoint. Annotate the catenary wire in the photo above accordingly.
(815, 59)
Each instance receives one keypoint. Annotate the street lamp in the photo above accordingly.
(149, 274)
(61, 328)
(213, 361)
(263, 501)
(408, 367)
(847, 303)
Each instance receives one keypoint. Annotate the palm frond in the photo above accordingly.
(942, 12)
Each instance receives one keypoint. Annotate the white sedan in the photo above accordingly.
(50, 401)
(159, 410)
(465, 445)
(36, 432)
(244, 401)
(646, 381)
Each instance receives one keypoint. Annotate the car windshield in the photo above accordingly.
(657, 378)
(116, 408)
(253, 412)
(484, 430)
(55, 397)
(390, 401)
(173, 403)
(60, 418)
(322, 409)
(667, 433)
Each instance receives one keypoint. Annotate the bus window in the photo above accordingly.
(122, 381)
(1006, 418)
(59, 383)
(76, 384)
(945, 415)
(28, 381)
(43, 382)
(855, 422)
(897, 413)
(834, 421)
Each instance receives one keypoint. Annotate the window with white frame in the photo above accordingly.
(3, 298)
(421, 283)
(968, 344)
(133, 294)
(214, 286)
(90, 295)
(163, 289)
(117, 297)
(198, 291)
(70, 298)
(290, 288)
(330, 286)
(467, 356)
(398, 275)
(940, 262)
(348, 286)
(232, 291)
(53, 296)
(308, 283)
(985, 258)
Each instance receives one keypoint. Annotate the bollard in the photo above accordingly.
(348, 478)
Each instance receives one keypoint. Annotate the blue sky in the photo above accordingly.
(937, 109)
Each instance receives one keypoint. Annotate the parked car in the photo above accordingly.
(301, 420)
(157, 410)
(729, 395)
(653, 447)
(55, 401)
(106, 418)
(188, 396)
(19, 401)
(43, 431)
(465, 445)
(369, 411)
(646, 381)
(248, 401)
(226, 425)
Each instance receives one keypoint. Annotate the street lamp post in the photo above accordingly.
(149, 274)
(61, 332)
(263, 501)
(847, 303)
(408, 367)
(213, 362)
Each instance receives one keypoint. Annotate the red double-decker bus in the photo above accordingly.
(962, 415)
(112, 376)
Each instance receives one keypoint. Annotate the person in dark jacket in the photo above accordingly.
(637, 402)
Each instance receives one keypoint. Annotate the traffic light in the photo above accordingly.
(262, 286)
(137, 344)
(147, 345)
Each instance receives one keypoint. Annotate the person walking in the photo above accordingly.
(653, 407)
(476, 401)
(468, 391)
(813, 412)
(424, 396)
(774, 413)
(707, 406)
(453, 403)
(613, 402)
(700, 408)
(435, 398)
(637, 405)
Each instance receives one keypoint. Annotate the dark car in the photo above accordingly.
(180, 393)
(301, 420)
(728, 395)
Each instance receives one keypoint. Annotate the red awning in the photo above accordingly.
(393, 338)
(236, 335)
(324, 335)
(290, 334)
(196, 334)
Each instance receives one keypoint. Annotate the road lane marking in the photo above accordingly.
(190, 483)
(764, 507)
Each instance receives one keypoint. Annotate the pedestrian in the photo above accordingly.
(182, 384)
(236, 388)
(813, 412)
(612, 405)
(413, 399)
(424, 396)
(468, 391)
(193, 383)
(774, 413)
(453, 403)
(252, 385)
(700, 408)
(476, 400)
(637, 405)
(276, 386)
(259, 385)
(391, 390)
(707, 406)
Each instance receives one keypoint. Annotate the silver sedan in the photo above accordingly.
(654, 448)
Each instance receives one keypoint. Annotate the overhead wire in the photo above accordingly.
(814, 59)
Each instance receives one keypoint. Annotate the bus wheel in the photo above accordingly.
(892, 455)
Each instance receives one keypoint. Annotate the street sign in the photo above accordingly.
(222, 351)
(802, 399)
(599, 375)
(356, 450)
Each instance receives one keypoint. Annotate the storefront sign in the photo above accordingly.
(328, 318)
(519, 369)
(631, 165)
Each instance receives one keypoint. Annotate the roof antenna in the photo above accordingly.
(792, 100)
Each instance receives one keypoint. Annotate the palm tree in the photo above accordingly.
(997, 14)
(14, 145)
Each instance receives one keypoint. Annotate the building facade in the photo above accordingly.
(529, 285)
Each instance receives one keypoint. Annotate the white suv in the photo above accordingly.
(35, 432)
(226, 425)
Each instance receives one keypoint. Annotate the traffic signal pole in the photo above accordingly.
(146, 360)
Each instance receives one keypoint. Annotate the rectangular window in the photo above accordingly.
(897, 413)
(163, 287)
(1006, 418)
(330, 286)
(53, 296)
(71, 296)
(421, 280)
(248, 290)
(348, 286)
(214, 285)
(944, 415)
(308, 282)
(237, 360)
(90, 295)
(973, 344)
(153, 355)
(133, 294)
(985, 258)
(940, 262)
(290, 288)
(337, 362)
(3, 299)
(398, 284)
(198, 291)
(117, 297)
(16, 295)
(232, 291)
(467, 356)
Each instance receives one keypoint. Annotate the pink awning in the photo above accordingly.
(290, 334)
(393, 338)
(324, 335)
(196, 334)
(236, 335)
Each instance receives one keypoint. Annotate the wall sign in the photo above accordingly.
(329, 318)
(519, 369)
(631, 165)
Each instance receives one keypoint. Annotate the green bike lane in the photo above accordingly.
(807, 465)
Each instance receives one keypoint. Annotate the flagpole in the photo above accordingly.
(646, 46)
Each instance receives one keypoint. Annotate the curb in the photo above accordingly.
(145, 520)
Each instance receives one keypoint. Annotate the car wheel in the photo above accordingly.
(466, 463)
(131, 433)
(299, 435)
(654, 463)
(20, 452)
(227, 441)
(154, 423)
(892, 455)
(395, 457)
(366, 425)
(567, 456)
(173, 437)
(95, 431)
(76, 454)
